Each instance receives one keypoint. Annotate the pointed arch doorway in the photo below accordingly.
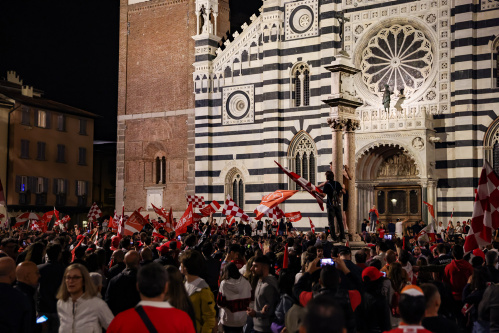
(388, 177)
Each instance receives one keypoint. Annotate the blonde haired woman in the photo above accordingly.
(79, 308)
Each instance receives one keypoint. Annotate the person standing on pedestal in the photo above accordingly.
(334, 191)
(373, 218)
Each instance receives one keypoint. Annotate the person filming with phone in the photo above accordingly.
(322, 277)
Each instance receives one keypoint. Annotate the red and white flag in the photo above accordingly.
(231, 220)
(39, 226)
(430, 209)
(113, 225)
(452, 213)
(62, 221)
(196, 217)
(293, 217)
(312, 226)
(94, 213)
(56, 213)
(4, 221)
(134, 224)
(197, 202)
(275, 213)
(121, 223)
(485, 210)
(2, 195)
(185, 220)
(305, 184)
(271, 200)
(213, 207)
(231, 209)
(155, 233)
(427, 234)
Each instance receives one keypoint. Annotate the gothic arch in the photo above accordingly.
(302, 156)
(235, 186)
(491, 144)
(494, 61)
(300, 75)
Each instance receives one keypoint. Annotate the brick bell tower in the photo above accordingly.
(155, 143)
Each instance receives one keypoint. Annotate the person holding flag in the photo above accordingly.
(334, 191)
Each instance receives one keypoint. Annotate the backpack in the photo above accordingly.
(335, 195)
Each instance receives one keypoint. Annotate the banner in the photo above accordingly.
(293, 217)
(134, 224)
(271, 200)
(185, 220)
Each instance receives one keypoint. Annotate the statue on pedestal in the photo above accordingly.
(386, 98)
(401, 99)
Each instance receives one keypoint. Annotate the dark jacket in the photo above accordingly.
(29, 291)
(15, 311)
(51, 274)
(115, 270)
(376, 312)
(122, 291)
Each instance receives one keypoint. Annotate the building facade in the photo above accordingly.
(48, 151)
(155, 144)
(260, 98)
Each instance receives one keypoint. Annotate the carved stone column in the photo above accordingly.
(432, 198)
(337, 126)
(352, 220)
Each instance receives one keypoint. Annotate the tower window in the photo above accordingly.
(301, 85)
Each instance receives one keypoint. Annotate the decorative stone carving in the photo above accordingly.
(336, 124)
(302, 19)
(400, 55)
(418, 143)
(238, 105)
(397, 166)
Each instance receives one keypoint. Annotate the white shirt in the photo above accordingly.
(399, 227)
(90, 315)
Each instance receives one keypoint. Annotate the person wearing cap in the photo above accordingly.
(375, 307)
(412, 307)
(266, 295)
(165, 257)
(432, 321)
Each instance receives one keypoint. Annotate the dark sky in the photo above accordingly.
(69, 49)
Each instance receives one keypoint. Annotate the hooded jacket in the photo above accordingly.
(266, 293)
(456, 275)
(234, 297)
(204, 304)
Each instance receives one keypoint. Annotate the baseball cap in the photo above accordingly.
(115, 243)
(372, 273)
(163, 249)
(479, 253)
(412, 290)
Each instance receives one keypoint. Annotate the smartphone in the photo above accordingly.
(388, 237)
(384, 274)
(131, 242)
(327, 262)
(41, 319)
(178, 237)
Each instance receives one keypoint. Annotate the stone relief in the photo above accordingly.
(397, 166)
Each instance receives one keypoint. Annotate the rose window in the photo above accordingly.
(399, 56)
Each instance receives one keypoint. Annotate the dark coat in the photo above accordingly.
(122, 291)
(51, 274)
(15, 311)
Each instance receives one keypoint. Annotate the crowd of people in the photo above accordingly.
(212, 279)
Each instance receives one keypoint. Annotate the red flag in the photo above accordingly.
(485, 210)
(121, 223)
(231, 220)
(47, 217)
(285, 258)
(430, 209)
(155, 233)
(112, 224)
(427, 233)
(271, 200)
(39, 226)
(172, 222)
(277, 232)
(293, 217)
(56, 213)
(2, 195)
(211, 208)
(134, 224)
(305, 184)
(185, 220)
(312, 226)
(196, 217)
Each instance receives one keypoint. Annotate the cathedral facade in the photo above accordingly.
(261, 97)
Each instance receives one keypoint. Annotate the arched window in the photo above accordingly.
(494, 57)
(491, 145)
(301, 85)
(301, 158)
(234, 186)
(160, 170)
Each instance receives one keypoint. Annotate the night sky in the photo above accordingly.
(69, 49)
